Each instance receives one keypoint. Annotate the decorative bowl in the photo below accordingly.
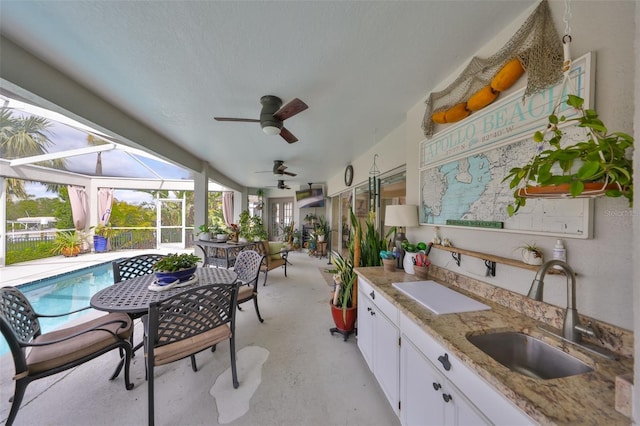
(169, 277)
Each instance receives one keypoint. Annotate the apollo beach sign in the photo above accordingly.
(508, 120)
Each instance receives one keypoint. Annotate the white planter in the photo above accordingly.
(204, 236)
(407, 263)
(530, 258)
(320, 238)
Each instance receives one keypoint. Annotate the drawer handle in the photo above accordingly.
(369, 308)
(437, 386)
(446, 397)
(372, 294)
(444, 359)
(372, 313)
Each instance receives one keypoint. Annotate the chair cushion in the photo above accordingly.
(43, 358)
(245, 292)
(183, 348)
(274, 249)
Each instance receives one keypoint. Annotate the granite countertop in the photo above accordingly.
(582, 399)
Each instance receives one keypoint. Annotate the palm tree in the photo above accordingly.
(24, 137)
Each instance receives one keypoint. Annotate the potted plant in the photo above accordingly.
(176, 266)
(245, 234)
(343, 308)
(310, 218)
(204, 232)
(598, 165)
(67, 243)
(101, 235)
(322, 229)
(219, 232)
(258, 231)
(531, 254)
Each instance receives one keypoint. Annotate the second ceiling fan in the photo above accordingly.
(272, 116)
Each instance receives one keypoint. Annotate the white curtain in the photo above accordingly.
(105, 201)
(78, 199)
(227, 207)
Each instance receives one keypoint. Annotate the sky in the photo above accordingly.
(68, 134)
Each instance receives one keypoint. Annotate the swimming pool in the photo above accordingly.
(64, 293)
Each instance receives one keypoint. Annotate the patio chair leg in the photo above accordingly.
(21, 386)
(234, 371)
(213, 348)
(150, 396)
(265, 278)
(255, 303)
(194, 366)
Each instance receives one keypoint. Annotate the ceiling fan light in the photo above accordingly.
(271, 130)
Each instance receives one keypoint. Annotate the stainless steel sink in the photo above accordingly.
(529, 356)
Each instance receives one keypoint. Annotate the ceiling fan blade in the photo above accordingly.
(289, 173)
(246, 120)
(289, 110)
(288, 136)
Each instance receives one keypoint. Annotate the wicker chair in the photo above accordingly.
(247, 267)
(132, 267)
(187, 323)
(59, 350)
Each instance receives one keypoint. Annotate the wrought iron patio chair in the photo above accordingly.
(247, 266)
(132, 267)
(37, 355)
(187, 323)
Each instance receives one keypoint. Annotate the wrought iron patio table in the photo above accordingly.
(133, 296)
(221, 254)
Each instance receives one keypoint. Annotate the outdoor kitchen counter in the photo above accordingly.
(582, 399)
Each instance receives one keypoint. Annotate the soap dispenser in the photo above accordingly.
(559, 253)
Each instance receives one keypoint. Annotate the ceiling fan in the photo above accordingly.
(280, 185)
(272, 115)
(279, 169)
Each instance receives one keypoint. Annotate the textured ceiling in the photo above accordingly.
(174, 65)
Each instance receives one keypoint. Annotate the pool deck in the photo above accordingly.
(25, 272)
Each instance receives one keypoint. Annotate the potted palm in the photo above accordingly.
(176, 266)
(67, 243)
(599, 165)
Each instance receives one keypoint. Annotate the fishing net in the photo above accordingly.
(536, 45)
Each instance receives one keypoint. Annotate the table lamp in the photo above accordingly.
(401, 216)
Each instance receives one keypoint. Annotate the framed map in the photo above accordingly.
(462, 167)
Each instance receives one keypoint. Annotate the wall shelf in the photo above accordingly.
(491, 260)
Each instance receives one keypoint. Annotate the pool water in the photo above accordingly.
(64, 293)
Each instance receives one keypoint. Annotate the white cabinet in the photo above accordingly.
(379, 339)
(427, 397)
(468, 399)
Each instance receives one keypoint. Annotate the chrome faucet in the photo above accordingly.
(571, 329)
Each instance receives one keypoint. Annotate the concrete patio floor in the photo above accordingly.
(309, 377)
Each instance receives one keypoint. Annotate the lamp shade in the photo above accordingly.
(401, 215)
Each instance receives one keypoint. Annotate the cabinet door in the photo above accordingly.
(386, 356)
(459, 410)
(421, 392)
(365, 328)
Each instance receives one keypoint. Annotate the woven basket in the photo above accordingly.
(421, 272)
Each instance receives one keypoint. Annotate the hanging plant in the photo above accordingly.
(603, 159)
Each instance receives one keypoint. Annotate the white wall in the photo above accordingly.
(604, 263)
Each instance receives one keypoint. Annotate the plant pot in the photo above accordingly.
(591, 189)
(242, 240)
(221, 237)
(170, 276)
(205, 236)
(530, 258)
(407, 263)
(70, 251)
(421, 272)
(320, 238)
(339, 317)
(389, 265)
(99, 243)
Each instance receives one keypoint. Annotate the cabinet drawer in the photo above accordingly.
(382, 303)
